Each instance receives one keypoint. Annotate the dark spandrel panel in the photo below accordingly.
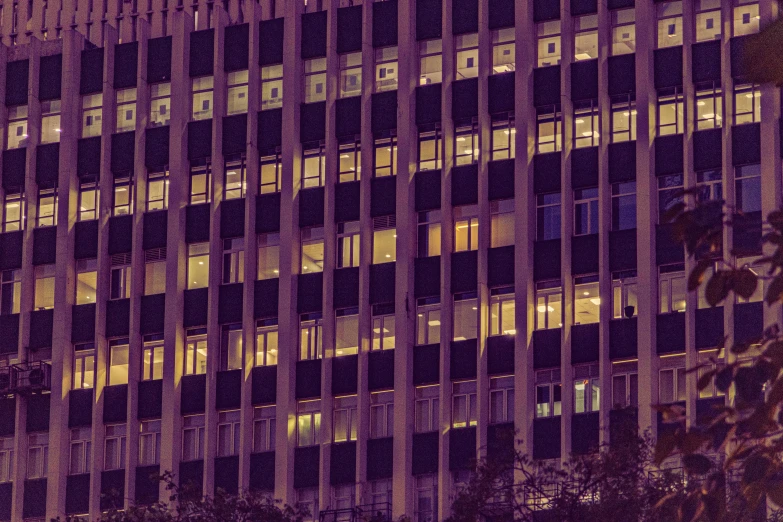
(6, 495)
(262, 471)
(14, 168)
(546, 259)
(159, 59)
(7, 416)
(115, 403)
(308, 379)
(346, 287)
(501, 179)
(425, 453)
(38, 407)
(120, 234)
(112, 489)
(50, 77)
(463, 359)
(384, 23)
(123, 152)
(9, 336)
(382, 282)
(193, 393)
(380, 370)
(583, 7)
(270, 129)
(544, 10)
(126, 60)
(464, 98)
(41, 323)
(426, 276)
(667, 249)
(147, 484)
(17, 82)
(746, 144)
(91, 71)
(622, 249)
(584, 433)
(622, 74)
(622, 161)
(546, 438)
(705, 61)
(584, 343)
(265, 297)
(428, 101)
(739, 66)
(311, 207)
(500, 269)
(462, 448)
(156, 152)
(622, 423)
(264, 384)
(464, 185)
(668, 154)
(380, 458)
(383, 196)
(150, 403)
(623, 338)
(500, 354)
(227, 474)
(191, 477)
(268, 213)
(155, 225)
(236, 47)
(546, 348)
(234, 134)
(310, 293)
(584, 80)
(384, 107)
(47, 164)
(429, 23)
(80, 408)
(546, 172)
(88, 157)
(501, 92)
(118, 318)
(199, 139)
(44, 245)
(707, 149)
(345, 374)
(306, 466)
(500, 442)
(349, 29)
(748, 321)
(464, 271)
(230, 303)
(464, 16)
(709, 327)
(619, 4)
(349, 116)
(232, 218)
(34, 500)
(197, 219)
(202, 52)
(584, 167)
(428, 186)
(670, 330)
(313, 35)
(228, 390)
(426, 364)
(196, 301)
(312, 120)
(501, 14)
(83, 323)
(271, 41)
(747, 233)
(668, 67)
(584, 254)
(546, 85)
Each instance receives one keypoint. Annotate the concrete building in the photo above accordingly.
(203, 273)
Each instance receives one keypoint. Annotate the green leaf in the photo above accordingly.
(775, 290)
(705, 379)
(697, 464)
(697, 274)
(673, 212)
(717, 288)
(745, 282)
(723, 378)
(755, 468)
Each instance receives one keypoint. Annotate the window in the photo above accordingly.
(88, 200)
(44, 287)
(385, 157)
(310, 337)
(502, 306)
(428, 321)
(426, 508)
(47, 207)
(350, 162)
(271, 86)
(501, 400)
(10, 291)
(50, 121)
(228, 433)
(586, 300)
(430, 62)
(549, 305)
(157, 190)
(548, 393)
(92, 111)
(624, 303)
(348, 244)
(466, 227)
(271, 170)
(37, 455)
(123, 196)
(548, 34)
(624, 205)
(13, 210)
(586, 125)
(380, 495)
(503, 132)
(120, 280)
(587, 388)
(126, 110)
(669, 16)
(350, 74)
(623, 119)
(549, 129)
(383, 327)
(315, 80)
(747, 104)
(386, 69)
(196, 352)
(671, 382)
(465, 316)
(81, 451)
(709, 106)
(503, 50)
(202, 97)
(83, 366)
(427, 399)
(237, 92)
(155, 271)
(669, 194)
(710, 360)
(464, 404)
(114, 447)
(381, 414)
(623, 31)
(233, 260)
(268, 256)
(585, 211)
(346, 327)
(625, 385)
(6, 459)
(670, 111)
(429, 233)
(671, 289)
(467, 55)
(86, 280)
(466, 144)
(429, 149)
(384, 239)
(200, 181)
(745, 17)
(266, 342)
(585, 37)
(307, 498)
(708, 22)
(710, 185)
(313, 165)
(231, 347)
(198, 265)
(312, 249)
(747, 188)
(160, 103)
(17, 127)
(149, 442)
(264, 424)
(235, 173)
(501, 223)
(152, 358)
(345, 418)
(548, 216)
(192, 437)
(118, 362)
(308, 423)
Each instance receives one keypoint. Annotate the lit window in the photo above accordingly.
(126, 110)
(264, 425)
(202, 97)
(157, 190)
(10, 291)
(383, 327)
(430, 62)
(429, 149)
(623, 119)
(81, 451)
(310, 337)
(312, 249)
(549, 305)
(501, 400)
(200, 181)
(669, 16)
(348, 244)
(228, 433)
(503, 137)
(237, 92)
(503, 50)
(464, 404)
(548, 34)
(268, 256)
(160, 104)
(502, 309)
(235, 172)
(385, 157)
(466, 144)
(671, 118)
(428, 321)
(92, 114)
(346, 419)
(196, 352)
(271, 178)
(381, 414)
(624, 205)
(623, 31)
(501, 223)
(671, 289)
(149, 443)
(671, 382)
(314, 80)
(587, 388)
(47, 207)
(465, 316)
(50, 121)
(114, 447)
(429, 233)
(625, 385)
(586, 300)
(118, 362)
(467, 55)
(747, 188)
(745, 17)
(586, 211)
(548, 213)
(708, 22)
(548, 393)
(386, 69)
(83, 366)
(37, 455)
(271, 87)
(13, 210)
(624, 301)
(86, 280)
(233, 260)
(266, 342)
(466, 228)
(384, 239)
(192, 437)
(709, 106)
(44, 287)
(346, 327)
(308, 423)
(669, 194)
(17, 127)
(198, 265)
(231, 347)
(155, 271)
(426, 408)
(586, 37)
(313, 165)
(120, 281)
(123, 196)
(350, 161)
(350, 74)
(88, 200)
(549, 129)
(586, 125)
(152, 358)
(747, 104)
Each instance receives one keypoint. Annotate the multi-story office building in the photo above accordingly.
(333, 251)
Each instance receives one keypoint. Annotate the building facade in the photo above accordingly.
(334, 250)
